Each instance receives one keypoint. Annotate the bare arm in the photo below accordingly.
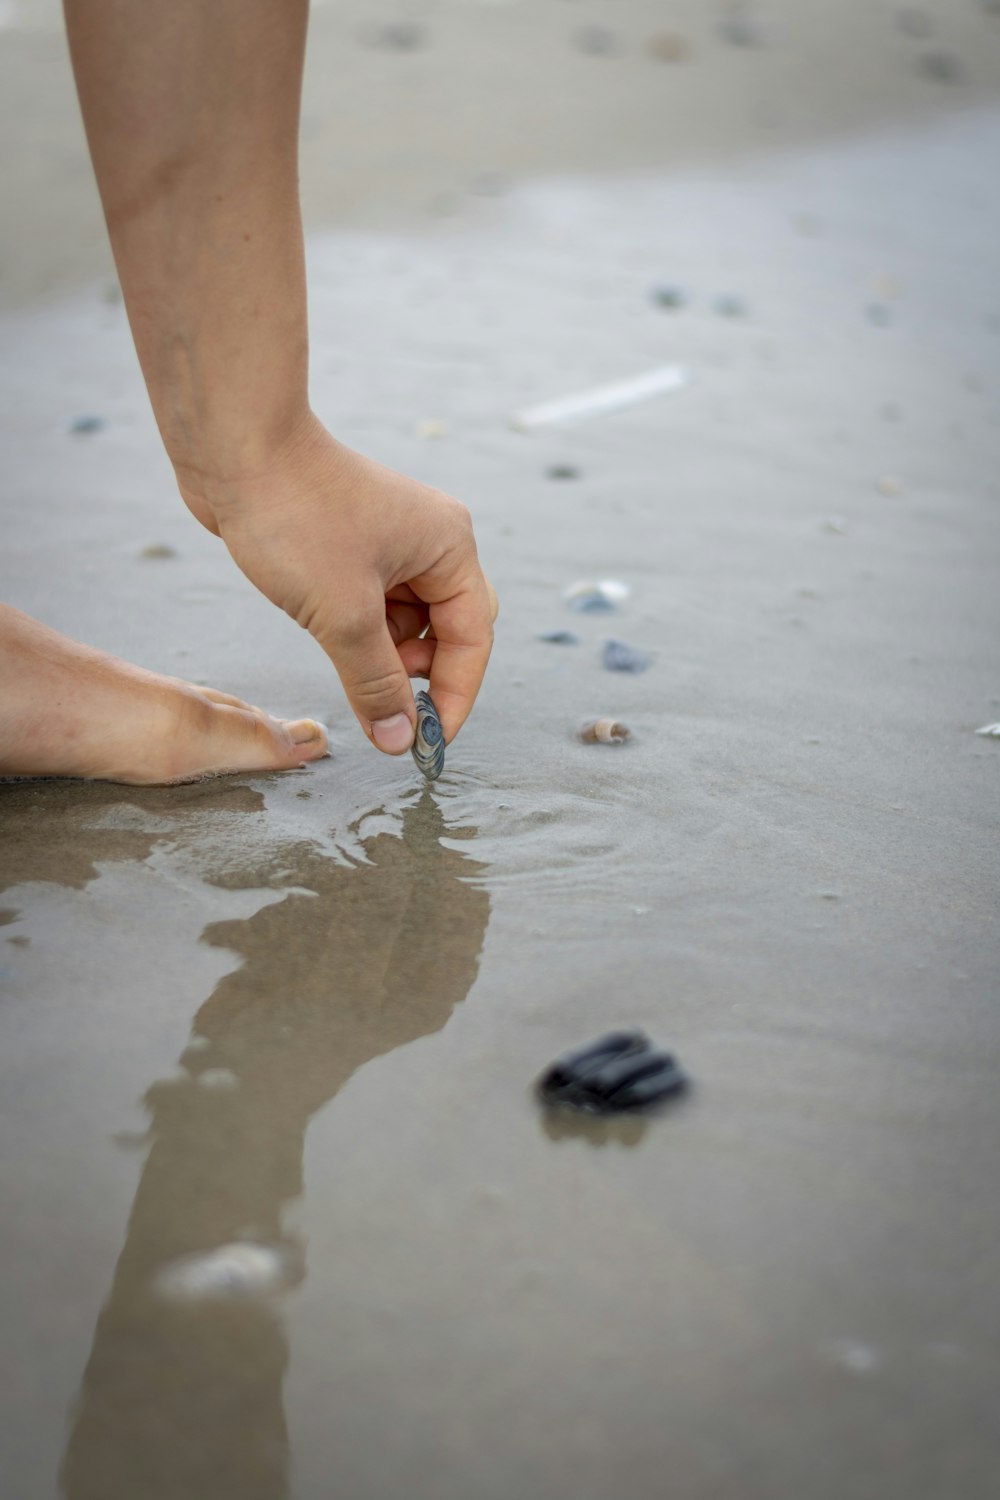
(192, 113)
(191, 109)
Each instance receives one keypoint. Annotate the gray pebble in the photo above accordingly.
(560, 638)
(617, 657)
(670, 297)
(729, 305)
(879, 314)
(741, 30)
(943, 67)
(87, 424)
(562, 471)
(396, 36)
(596, 41)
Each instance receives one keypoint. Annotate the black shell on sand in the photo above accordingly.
(620, 1071)
(428, 746)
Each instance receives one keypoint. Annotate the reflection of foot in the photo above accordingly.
(68, 710)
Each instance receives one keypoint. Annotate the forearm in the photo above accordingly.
(192, 110)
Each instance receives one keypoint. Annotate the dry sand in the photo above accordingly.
(788, 1285)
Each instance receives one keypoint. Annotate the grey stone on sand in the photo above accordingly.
(616, 656)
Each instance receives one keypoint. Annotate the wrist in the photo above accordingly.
(226, 469)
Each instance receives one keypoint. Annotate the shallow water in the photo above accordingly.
(788, 1283)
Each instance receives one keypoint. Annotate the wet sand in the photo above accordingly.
(307, 1010)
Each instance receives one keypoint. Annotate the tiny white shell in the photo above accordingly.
(991, 730)
(604, 732)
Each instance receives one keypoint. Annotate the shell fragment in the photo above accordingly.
(602, 398)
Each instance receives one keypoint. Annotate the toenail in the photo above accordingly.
(303, 731)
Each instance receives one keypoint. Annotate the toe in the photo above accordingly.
(220, 737)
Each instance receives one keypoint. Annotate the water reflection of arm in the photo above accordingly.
(183, 1401)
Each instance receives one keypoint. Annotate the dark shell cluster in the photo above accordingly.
(620, 1071)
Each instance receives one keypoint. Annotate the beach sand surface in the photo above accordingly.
(305, 1012)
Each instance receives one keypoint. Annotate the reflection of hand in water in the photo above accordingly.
(183, 1402)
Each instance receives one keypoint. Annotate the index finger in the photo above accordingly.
(463, 630)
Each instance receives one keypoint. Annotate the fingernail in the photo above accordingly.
(303, 731)
(393, 734)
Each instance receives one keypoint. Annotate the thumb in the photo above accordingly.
(374, 678)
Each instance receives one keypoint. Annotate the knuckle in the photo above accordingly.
(375, 692)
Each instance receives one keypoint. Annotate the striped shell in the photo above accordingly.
(428, 746)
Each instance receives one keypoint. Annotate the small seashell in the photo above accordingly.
(603, 398)
(220, 1079)
(428, 746)
(835, 525)
(617, 657)
(604, 732)
(226, 1273)
(890, 485)
(589, 598)
(431, 428)
(991, 731)
(156, 551)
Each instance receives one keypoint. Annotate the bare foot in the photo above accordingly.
(68, 710)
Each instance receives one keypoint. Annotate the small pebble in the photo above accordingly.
(157, 551)
(560, 638)
(879, 314)
(670, 297)
(740, 29)
(943, 67)
(562, 471)
(617, 657)
(431, 427)
(836, 525)
(730, 306)
(668, 47)
(596, 41)
(87, 424)
(990, 731)
(890, 485)
(396, 36)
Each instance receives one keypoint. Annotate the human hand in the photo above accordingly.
(366, 560)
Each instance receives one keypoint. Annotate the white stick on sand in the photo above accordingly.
(602, 398)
